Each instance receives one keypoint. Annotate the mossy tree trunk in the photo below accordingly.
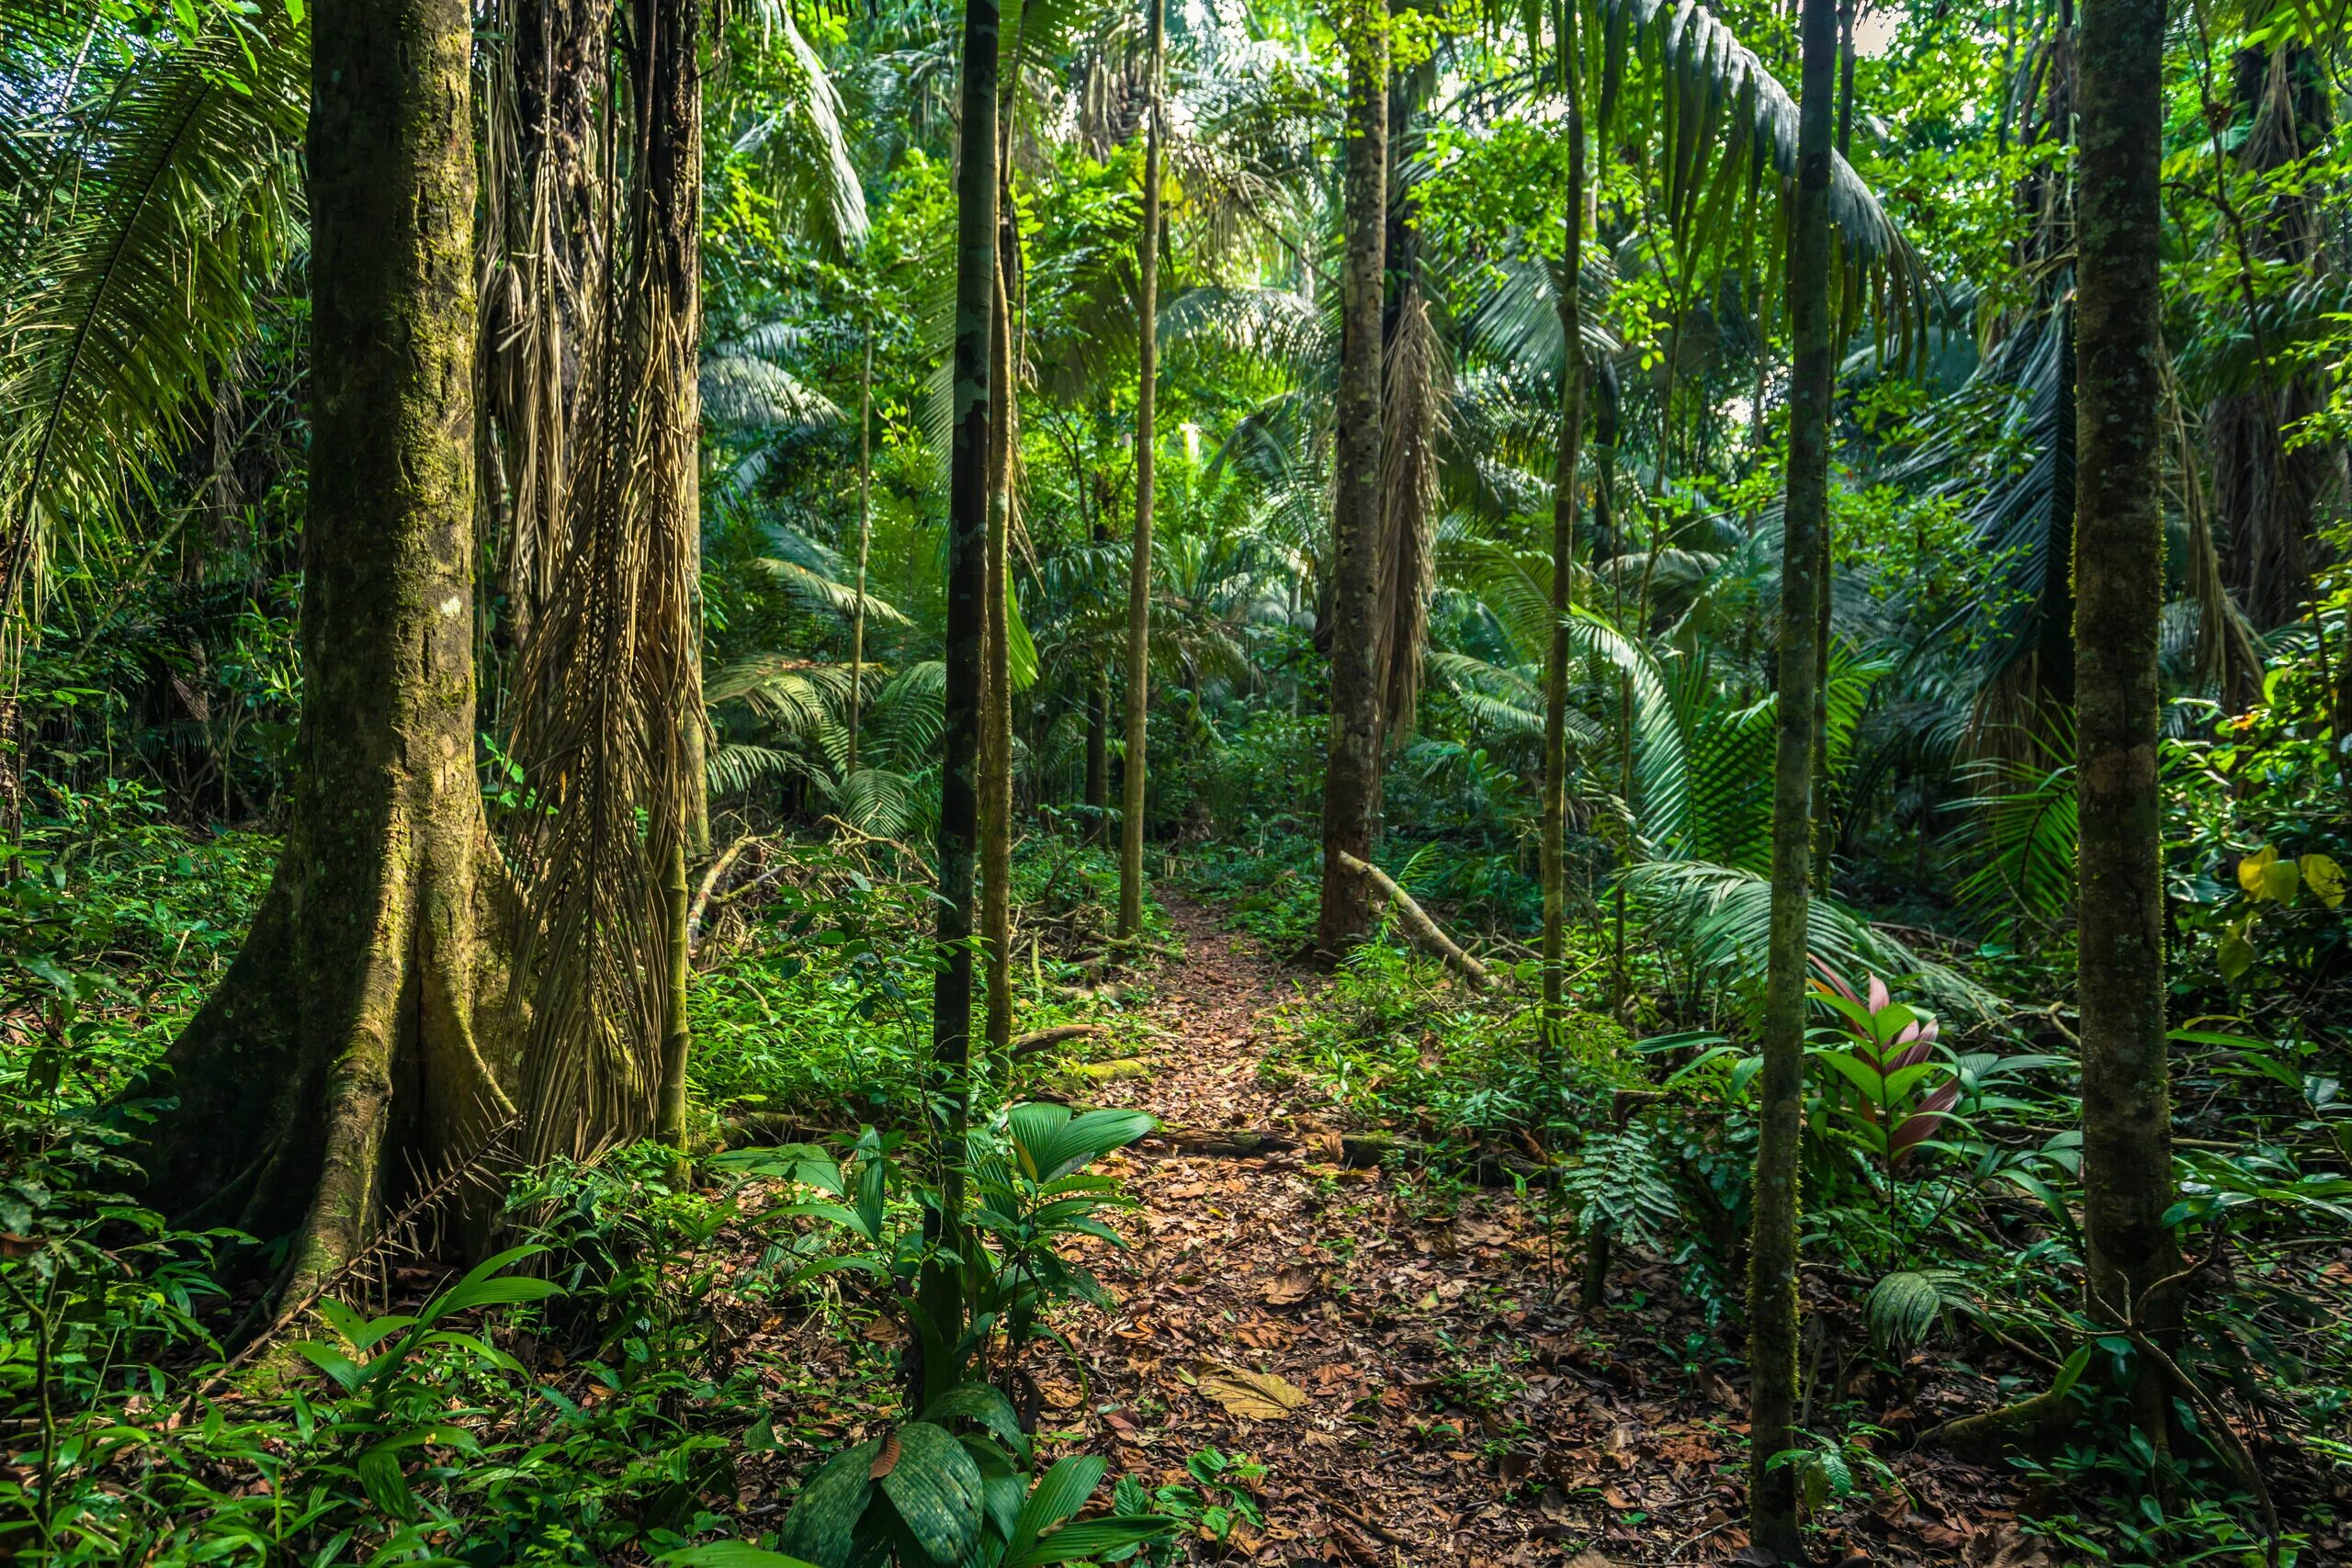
(1772, 1260)
(359, 1035)
(1139, 716)
(1351, 766)
(2118, 592)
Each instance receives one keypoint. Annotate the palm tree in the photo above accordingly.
(150, 196)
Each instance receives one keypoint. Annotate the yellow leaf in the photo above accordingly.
(2250, 869)
(1253, 1396)
(2324, 878)
(2281, 879)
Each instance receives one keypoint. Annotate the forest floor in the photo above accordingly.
(1406, 1357)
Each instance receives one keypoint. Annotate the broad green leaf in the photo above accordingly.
(936, 1488)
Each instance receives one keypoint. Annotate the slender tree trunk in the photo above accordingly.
(671, 100)
(2118, 567)
(996, 688)
(1825, 842)
(1772, 1267)
(1564, 542)
(1352, 770)
(360, 1034)
(967, 523)
(1133, 780)
(864, 543)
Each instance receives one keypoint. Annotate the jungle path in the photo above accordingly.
(1406, 1357)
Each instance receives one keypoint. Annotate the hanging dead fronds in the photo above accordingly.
(606, 689)
(1419, 387)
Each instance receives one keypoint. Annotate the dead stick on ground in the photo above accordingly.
(1425, 931)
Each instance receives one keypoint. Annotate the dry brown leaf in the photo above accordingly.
(1253, 1396)
(1289, 1286)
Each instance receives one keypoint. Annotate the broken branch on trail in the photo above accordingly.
(1424, 931)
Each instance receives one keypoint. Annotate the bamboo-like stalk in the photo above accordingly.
(1564, 542)
(1133, 782)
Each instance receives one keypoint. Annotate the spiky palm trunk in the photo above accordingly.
(361, 1033)
(1564, 545)
(1772, 1260)
(2119, 569)
(1133, 780)
(864, 543)
(1352, 768)
(967, 523)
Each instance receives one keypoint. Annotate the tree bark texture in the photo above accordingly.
(360, 1033)
(1772, 1261)
(1563, 549)
(1351, 767)
(996, 688)
(2119, 569)
(670, 109)
(1133, 780)
(967, 523)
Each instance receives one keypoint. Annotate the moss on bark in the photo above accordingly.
(361, 1033)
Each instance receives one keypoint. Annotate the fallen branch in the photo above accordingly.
(710, 879)
(1425, 931)
(1046, 1039)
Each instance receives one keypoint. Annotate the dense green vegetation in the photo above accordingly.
(648, 646)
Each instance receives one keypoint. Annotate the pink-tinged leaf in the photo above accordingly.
(1912, 1131)
(1922, 1124)
(1930, 1031)
(1910, 1057)
(1880, 996)
(1831, 981)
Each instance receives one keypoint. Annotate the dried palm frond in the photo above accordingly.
(605, 690)
(1420, 383)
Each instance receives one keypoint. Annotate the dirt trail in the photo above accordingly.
(1405, 1359)
(1434, 1392)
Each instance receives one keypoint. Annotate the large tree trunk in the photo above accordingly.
(1773, 1264)
(1133, 780)
(2119, 571)
(1352, 768)
(1563, 546)
(967, 523)
(360, 1036)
